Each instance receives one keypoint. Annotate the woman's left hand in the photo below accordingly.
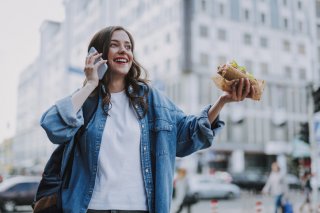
(241, 89)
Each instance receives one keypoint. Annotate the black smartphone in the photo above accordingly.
(102, 69)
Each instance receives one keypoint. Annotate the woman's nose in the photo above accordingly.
(122, 49)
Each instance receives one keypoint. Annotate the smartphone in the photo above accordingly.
(102, 69)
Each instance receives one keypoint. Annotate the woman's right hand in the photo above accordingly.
(91, 69)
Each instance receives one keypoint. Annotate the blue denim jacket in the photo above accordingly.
(166, 132)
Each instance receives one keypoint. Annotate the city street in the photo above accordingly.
(247, 203)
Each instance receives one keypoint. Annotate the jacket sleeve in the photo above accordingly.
(195, 132)
(60, 121)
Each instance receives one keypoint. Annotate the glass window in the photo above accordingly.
(318, 31)
(301, 49)
(299, 5)
(168, 64)
(247, 39)
(246, 15)
(204, 31)
(204, 59)
(222, 35)
(203, 5)
(288, 72)
(286, 45)
(168, 38)
(300, 26)
(221, 9)
(285, 23)
(318, 8)
(263, 42)
(263, 18)
(302, 74)
(284, 2)
(264, 69)
(222, 60)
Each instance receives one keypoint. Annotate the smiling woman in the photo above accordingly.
(125, 157)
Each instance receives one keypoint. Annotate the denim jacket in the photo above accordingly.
(166, 133)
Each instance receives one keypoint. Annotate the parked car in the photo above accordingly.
(250, 180)
(209, 187)
(293, 181)
(17, 191)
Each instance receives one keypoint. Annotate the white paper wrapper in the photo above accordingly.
(225, 85)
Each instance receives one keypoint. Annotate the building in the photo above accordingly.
(188, 39)
(180, 43)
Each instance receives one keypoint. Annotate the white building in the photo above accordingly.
(188, 39)
(180, 43)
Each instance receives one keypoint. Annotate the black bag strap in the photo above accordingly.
(89, 108)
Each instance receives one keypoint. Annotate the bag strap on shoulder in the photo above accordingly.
(89, 108)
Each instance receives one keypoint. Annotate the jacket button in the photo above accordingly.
(147, 170)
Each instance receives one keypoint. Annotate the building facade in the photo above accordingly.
(181, 43)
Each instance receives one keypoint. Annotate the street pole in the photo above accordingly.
(314, 148)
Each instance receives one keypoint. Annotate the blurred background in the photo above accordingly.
(180, 43)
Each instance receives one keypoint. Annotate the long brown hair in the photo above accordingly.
(133, 79)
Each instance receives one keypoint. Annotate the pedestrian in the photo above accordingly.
(126, 157)
(183, 199)
(307, 189)
(276, 185)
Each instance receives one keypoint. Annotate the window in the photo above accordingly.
(318, 8)
(302, 74)
(263, 18)
(203, 5)
(204, 59)
(300, 26)
(299, 5)
(247, 39)
(285, 23)
(301, 49)
(264, 69)
(222, 60)
(168, 64)
(288, 72)
(318, 31)
(222, 34)
(246, 15)
(263, 42)
(168, 38)
(221, 9)
(284, 2)
(286, 45)
(203, 31)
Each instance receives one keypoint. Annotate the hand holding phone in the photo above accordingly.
(102, 69)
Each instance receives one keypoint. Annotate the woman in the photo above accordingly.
(126, 157)
(276, 185)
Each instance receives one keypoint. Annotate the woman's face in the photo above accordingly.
(120, 54)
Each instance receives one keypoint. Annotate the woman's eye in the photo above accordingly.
(128, 47)
(113, 45)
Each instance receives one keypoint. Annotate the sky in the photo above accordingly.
(20, 22)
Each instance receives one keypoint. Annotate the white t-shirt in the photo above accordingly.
(119, 181)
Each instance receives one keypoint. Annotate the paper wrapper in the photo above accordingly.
(231, 73)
